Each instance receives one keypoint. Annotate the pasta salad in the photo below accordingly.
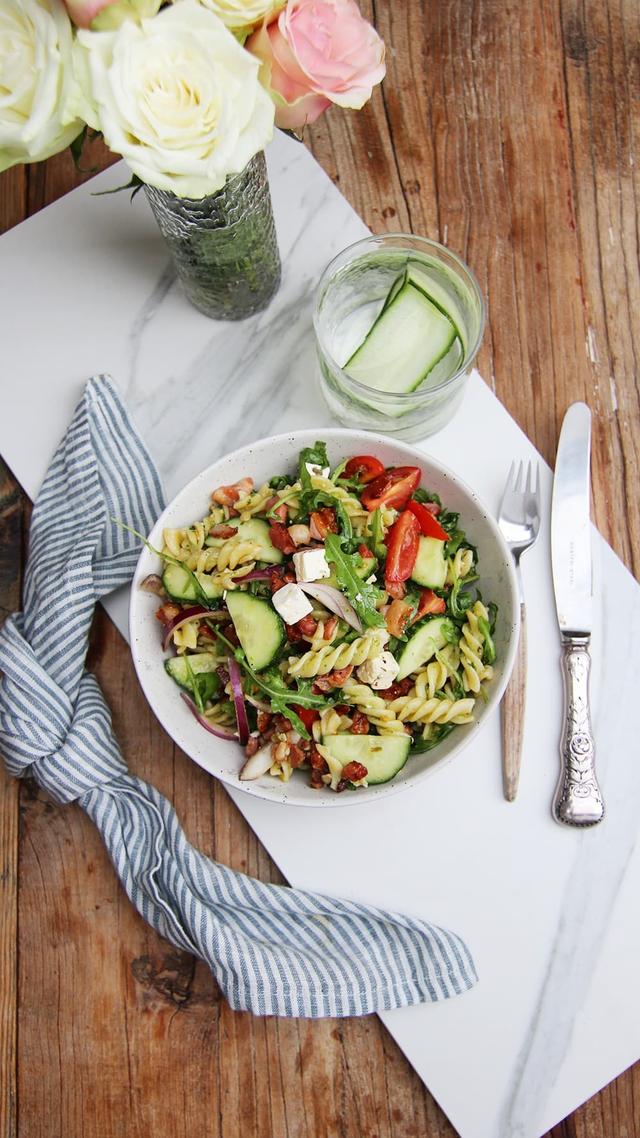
(326, 621)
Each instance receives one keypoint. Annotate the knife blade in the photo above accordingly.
(577, 800)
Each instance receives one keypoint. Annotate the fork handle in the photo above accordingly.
(512, 715)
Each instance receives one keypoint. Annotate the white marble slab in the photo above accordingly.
(551, 914)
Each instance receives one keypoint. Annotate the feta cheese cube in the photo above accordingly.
(320, 471)
(380, 672)
(291, 603)
(311, 565)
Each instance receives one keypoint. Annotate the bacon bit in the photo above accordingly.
(330, 626)
(231, 634)
(318, 762)
(353, 772)
(223, 531)
(263, 720)
(342, 708)
(252, 746)
(307, 625)
(281, 577)
(322, 522)
(205, 633)
(294, 635)
(228, 495)
(401, 687)
(395, 589)
(333, 679)
(315, 782)
(281, 723)
(279, 536)
(168, 612)
(153, 584)
(432, 507)
(342, 785)
(360, 724)
(296, 755)
(397, 617)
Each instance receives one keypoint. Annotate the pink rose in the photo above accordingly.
(314, 53)
(104, 15)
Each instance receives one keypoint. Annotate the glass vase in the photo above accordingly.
(223, 246)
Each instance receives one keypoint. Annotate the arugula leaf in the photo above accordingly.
(439, 732)
(459, 599)
(201, 596)
(280, 696)
(363, 597)
(279, 482)
(316, 454)
(425, 496)
(377, 543)
(314, 499)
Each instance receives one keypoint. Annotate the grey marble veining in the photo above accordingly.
(550, 914)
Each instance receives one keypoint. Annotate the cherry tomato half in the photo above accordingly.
(429, 603)
(391, 488)
(308, 715)
(364, 467)
(429, 525)
(402, 547)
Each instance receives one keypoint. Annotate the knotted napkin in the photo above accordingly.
(273, 950)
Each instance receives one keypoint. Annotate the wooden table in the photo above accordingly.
(505, 130)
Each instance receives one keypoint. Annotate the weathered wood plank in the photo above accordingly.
(11, 539)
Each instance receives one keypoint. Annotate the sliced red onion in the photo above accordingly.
(235, 675)
(333, 600)
(254, 575)
(258, 703)
(219, 732)
(182, 618)
(257, 765)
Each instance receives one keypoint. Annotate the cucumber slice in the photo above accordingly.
(260, 629)
(403, 345)
(442, 299)
(180, 585)
(382, 755)
(181, 668)
(254, 530)
(430, 567)
(424, 644)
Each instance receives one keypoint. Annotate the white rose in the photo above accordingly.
(35, 81)
(178, 98)
(241, 13)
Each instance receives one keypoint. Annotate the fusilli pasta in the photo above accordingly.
(323, 660)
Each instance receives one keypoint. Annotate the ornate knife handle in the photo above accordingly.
(577, 800)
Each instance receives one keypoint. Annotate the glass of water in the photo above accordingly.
(398, 322)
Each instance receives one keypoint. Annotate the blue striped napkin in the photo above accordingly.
(273, 950)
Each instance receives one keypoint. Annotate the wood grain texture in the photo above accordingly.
(506, 130)
(512, 712)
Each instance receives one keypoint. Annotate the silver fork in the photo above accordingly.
(519, 521)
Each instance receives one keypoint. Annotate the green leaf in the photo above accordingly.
(363, 597)
(316, 454)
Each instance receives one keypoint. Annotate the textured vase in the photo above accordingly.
(223, 246)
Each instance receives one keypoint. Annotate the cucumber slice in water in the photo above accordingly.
(407, 340)
(442, 299)
(382, 755)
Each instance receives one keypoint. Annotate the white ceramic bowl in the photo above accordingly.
(262, 460)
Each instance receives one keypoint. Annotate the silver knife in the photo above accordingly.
(577, 800)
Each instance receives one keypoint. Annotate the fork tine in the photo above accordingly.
(518, 482)
(528, 489)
